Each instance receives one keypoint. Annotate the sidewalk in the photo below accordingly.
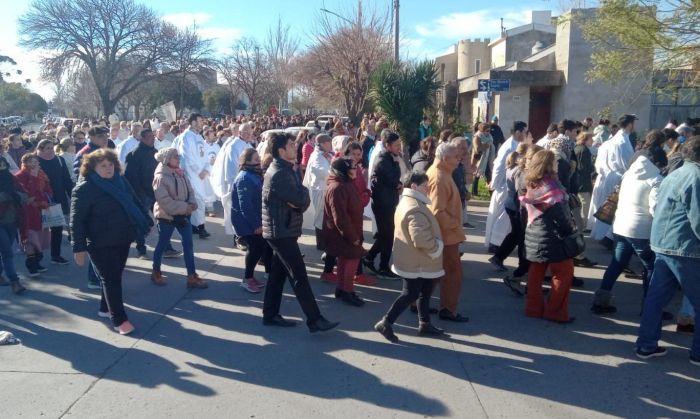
(205, 353)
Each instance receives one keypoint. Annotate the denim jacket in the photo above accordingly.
(676, 227)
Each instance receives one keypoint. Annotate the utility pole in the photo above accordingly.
(396, 30)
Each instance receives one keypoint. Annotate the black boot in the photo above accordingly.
(319, 245)
(30, 263)
(203, 234)
(384, 327)
(352, 299)
(39, 257)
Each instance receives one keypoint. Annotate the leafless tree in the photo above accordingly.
(121, 43)
(248, 69)
(345, 52)
(281, 48)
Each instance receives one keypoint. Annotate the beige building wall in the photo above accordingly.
(447, 67)
(468, 53)
(511, 106)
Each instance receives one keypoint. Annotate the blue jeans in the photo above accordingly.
(8, 233)
(669, 273)
(624, 248)
(165, 232)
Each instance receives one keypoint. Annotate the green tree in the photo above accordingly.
(627, 35)
(403, 92)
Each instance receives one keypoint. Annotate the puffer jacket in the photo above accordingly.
(418, 242)
(284, 201)
(342, 219)
(172, 192)
(97, 220)
(545, 235)
(246, 203)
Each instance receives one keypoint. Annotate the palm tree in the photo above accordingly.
(402, 92)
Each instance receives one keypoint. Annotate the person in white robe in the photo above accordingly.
(315, 178)
(225, 169)
(190, 146)
(211, 150)
(164, 139)
(497, 221)
(373, 154)
(611, 164)
(126, 146)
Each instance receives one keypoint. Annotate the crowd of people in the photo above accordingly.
(114, 181)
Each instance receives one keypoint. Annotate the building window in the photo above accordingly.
(665, 96)
(477, 66)
(688, 96)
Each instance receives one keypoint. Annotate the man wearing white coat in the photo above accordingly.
(497, 221)
(126, 146)
(190, 146)
(612, 162)
(315, 177)
(225, 169)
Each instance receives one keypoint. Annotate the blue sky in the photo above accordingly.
(428, 27)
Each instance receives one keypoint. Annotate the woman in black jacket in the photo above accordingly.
(106, 218)
(549, 223)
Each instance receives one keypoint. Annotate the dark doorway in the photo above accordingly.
(540, 112)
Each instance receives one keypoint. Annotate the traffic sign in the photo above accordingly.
(493, 85)
(499, 85)
(484, 85)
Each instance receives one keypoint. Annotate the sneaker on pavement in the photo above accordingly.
(172, 253)
(125, 328)
(260, 282)
(497, 263)
(329, 277)
(103, 314)
(94, 285)
(59, 261)
(363, 279)
(17, 288)
(143, 256)
(469, 226)
(695, 360)
(40, 268)
(250, 285)
(659, 351)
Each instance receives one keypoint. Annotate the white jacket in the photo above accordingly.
(635, 208)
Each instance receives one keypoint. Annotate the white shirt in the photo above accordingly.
(164, 143)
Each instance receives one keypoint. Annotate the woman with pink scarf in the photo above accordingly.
(550, 227)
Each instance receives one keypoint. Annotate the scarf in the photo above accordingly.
(117, 188)
(177, 170)
(538, 200)
(256, 169)
(562, 144)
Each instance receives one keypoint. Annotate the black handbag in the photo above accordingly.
(181, 220)
(574, 245)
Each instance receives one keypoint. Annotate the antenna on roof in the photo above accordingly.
(503, 28)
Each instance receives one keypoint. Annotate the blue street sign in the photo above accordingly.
(499, 85)
(483, 85)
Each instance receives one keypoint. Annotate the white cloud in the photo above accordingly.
(182, 20)
(476, 24)
(222, 37)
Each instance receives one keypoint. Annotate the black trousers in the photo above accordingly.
(257, 249)
(288, 262)
(384, 239)
(56, 239)
(109, 263)
(413, 289)
(516, 237)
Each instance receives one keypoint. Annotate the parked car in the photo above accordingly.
(296, 130)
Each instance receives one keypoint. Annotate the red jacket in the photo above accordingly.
(342, 219)
(36, 187)
(360, 183)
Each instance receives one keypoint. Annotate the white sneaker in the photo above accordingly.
(250, 285)
(103, 314)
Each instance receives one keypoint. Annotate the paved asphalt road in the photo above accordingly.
(205, 353)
